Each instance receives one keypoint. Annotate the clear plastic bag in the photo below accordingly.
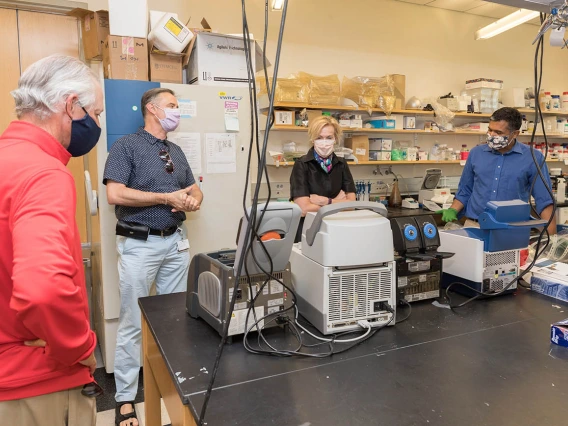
(370, 92)
(289, 89)
(443, 117)
(321, 90)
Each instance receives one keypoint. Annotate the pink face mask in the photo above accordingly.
(324, 147)
(171, 121)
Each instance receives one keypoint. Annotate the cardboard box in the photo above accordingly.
(313, 113)
(166, 68)
(94, 31)
(128, 18)
(360, 146)
(550, 278)
(386, 144)
(219, 60)
(559, 333)
(344, 123)
(284, 118)
(422, 156)
(125, 58)
(385, 156)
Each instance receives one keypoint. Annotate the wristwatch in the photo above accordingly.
(329, 200)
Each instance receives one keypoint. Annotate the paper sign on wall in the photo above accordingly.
(221, 152)
(190, 144)
(231, 116)
(187, 108)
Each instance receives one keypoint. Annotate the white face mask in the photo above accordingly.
(324, 147)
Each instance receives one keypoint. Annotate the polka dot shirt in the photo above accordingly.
(134, 160)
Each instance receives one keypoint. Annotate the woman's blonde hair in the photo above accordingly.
(319, 123)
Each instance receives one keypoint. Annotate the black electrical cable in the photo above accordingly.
(251, 221)
(538, 60)
(398, 321)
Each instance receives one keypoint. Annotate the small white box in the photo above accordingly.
(409, 122)
(284, 118)
(356, 123)
(412, 156)
(386, 144)
(513, 97)
(375, 144)
(422, 156)
(128, 18)
(345, 123)
(385, 156)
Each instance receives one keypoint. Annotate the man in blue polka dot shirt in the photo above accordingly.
(150, 183)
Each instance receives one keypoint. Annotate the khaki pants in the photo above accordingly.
(470, 224)
(65, 408)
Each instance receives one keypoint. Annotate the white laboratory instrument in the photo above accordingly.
(410, 203)
(430, 192)
(343, 271)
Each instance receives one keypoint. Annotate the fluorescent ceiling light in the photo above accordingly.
(510, 21)
(277, 4)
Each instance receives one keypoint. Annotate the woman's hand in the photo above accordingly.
(318, 200)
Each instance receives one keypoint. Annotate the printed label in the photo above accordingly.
(276, 287)
(276, 302)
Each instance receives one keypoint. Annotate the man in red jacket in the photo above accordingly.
(46, 344)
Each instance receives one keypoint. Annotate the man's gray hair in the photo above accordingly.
(46, 84)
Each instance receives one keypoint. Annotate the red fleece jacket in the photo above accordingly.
(42, 283)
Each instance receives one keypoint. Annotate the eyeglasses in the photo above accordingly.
(165, 156)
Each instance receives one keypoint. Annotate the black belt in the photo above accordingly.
(163, 232)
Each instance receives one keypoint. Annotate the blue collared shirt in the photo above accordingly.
(489, 175)
(134, 160)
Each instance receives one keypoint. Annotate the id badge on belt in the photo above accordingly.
(183, 245)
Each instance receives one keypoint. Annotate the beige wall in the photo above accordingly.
(434, 48)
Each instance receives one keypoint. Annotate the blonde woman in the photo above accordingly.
(320, 177)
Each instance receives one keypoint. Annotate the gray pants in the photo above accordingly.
(140, 263)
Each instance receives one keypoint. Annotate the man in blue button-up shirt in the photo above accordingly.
(503, 169)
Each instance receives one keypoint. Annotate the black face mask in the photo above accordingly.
(85, 134)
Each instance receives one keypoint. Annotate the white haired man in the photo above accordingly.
(46, 344)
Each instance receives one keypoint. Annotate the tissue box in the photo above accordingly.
(375, 144)
(412, 156)
(422, 156)
(409, 123)
(356, 123)
(374, 155)
(385, 156)
(386, 144)
(284, 118)
(559, 333)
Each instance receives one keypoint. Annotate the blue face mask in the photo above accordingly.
(85, 134)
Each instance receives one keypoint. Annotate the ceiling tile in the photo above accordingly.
(492, 10)
(459, 5)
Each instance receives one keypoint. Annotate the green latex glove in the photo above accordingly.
(448, 215)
